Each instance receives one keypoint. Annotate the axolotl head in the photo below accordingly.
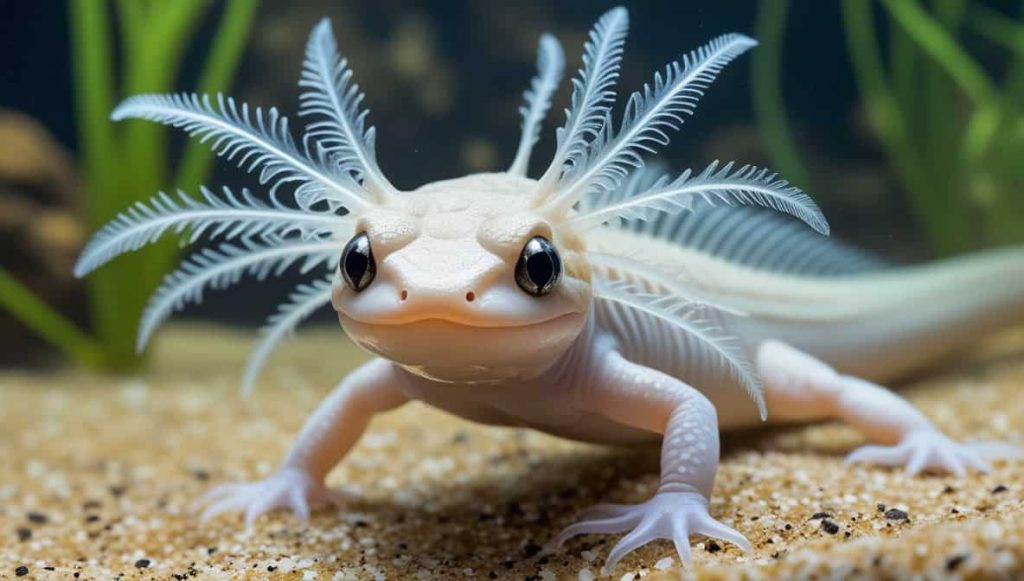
(464, 280)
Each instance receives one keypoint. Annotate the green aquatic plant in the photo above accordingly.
(953, 132)
(121, 164)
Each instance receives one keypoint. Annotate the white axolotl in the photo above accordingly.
(599, 302)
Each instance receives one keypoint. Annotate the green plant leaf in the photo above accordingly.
(46, 322)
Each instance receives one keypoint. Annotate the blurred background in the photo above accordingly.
(903, 118)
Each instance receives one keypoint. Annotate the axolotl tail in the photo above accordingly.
(882, 326)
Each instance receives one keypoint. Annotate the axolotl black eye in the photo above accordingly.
(539, 267)
(357, 264)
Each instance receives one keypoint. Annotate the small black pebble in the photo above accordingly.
(789, 527)
(21, 571)
(211, 550)
(954, 562)
(846, 534)
(948, 490)
(775, 555)
(508, 564)
(24, 534)
(999, 488)
(76, 575)
(49, 569)
(896, 514)
(142, 563)
(829, 526)
(712, 547)
(362, 524)
(818, 515)
(492, 575)
(531, 549)
(880, 507)
(201, 475)
(92, 518)
(954, 511)
(271, 568)
(542, 561)
(38, 518)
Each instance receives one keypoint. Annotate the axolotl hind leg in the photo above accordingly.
(799, 387)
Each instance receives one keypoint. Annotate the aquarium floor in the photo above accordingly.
(100, 476)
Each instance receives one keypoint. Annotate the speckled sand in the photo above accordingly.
(98, 476)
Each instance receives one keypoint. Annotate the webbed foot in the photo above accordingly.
(289, 488)
(934, 451)
(668, 515)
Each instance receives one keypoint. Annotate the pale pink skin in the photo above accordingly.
(500, 356)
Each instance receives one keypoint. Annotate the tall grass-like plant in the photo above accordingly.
(146, 40)
(952, 131)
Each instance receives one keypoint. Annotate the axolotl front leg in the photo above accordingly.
(647, 399)
(325, 439)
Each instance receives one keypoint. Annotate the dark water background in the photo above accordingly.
(453, 110)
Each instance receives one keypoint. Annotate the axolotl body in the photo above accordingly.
(599, 302)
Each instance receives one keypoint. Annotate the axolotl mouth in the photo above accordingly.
(453, 351)
(469, 322)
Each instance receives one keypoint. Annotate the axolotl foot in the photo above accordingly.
(290, 489)
(668, 515)
(931, 450)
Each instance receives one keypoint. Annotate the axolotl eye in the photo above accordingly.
(357, 264)
(539, 267)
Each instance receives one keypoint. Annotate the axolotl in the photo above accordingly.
(605, 300)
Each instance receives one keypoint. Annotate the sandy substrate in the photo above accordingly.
(98, 477)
